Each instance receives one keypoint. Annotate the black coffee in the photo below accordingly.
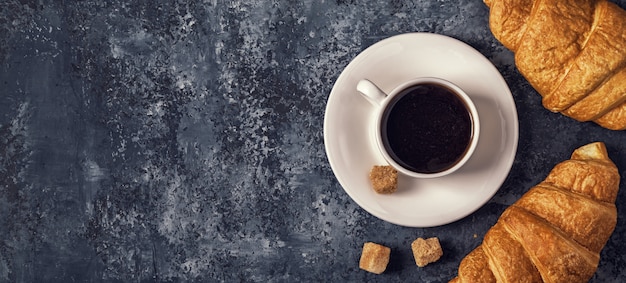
(427, 129)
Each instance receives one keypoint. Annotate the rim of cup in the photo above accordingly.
(469, 105)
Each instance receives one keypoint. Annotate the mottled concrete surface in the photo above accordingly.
(165, 141)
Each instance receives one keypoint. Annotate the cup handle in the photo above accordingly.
(370, 91)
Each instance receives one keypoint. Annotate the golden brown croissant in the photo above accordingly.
(555, 231)
(573, 52)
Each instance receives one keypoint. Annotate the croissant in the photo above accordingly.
(573, 52)
(556, 230)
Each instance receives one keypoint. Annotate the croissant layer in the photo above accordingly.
(555, 231)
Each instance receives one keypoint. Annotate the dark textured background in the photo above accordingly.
(157, 141)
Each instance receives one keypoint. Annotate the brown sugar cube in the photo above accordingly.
(384, 179)
(374, 258)
(426, 251)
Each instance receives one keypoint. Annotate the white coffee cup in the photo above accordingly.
(425, 127)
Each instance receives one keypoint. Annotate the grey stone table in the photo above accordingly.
(166, 141)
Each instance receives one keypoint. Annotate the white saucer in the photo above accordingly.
(349, 137)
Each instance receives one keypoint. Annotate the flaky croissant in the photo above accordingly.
(555, 231)
(573, 52)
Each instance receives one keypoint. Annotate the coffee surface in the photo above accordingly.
(427, 129)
